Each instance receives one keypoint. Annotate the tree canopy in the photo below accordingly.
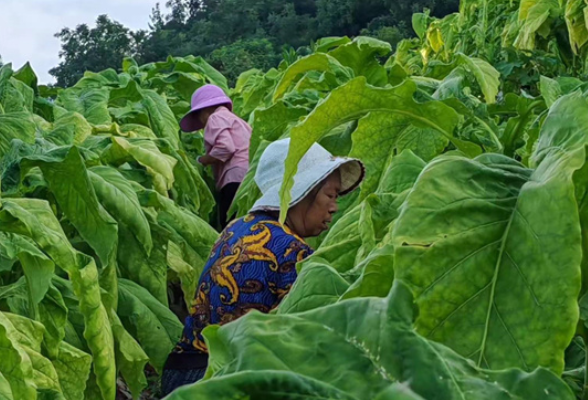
(234, 35)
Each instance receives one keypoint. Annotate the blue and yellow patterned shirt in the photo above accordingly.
(251, 267)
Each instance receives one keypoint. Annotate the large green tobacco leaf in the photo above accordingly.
(380, 135)
(69, 182)
(27, 76)
(581, 183)
(199, 65)
(560, 132)
(190, 65)
(17, 97)
(452, 86)
(359, 347)
(576, 22)
(373, 272)
(398, 391)
(74, 122)
(479, 241)
(533, 14)
(486, 75)
(73, 369)
(130, 358)
(15, 126)
(124, 94)
(15, 364)
(5, 391)
(108, 77)
(317, 285)
(420, 24)
(326, 44)
(53, 316)
(353, 101)
(91, 103)
(50, 312)
(550, 90)
(192, 190)
(162, 118)
(270, 124)
(133, 131)
(526, 6)
(524, 111)
(38, 268)
(6, 73)
(314, 62)
(149, 271)
(35, 219)
(361, 55)
(191, 229)
(189, 189)
(74, 326)
(401, 173)
(255, 91)
(278, 385)
(258, 385)
(97, 332)
(184, 83)
(185, 272)
(154, 326)
(29, 336)
(118, 197)
(12, 182)
(377, 274)
(565, 134)
(146, 153)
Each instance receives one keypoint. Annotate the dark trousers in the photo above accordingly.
(182, 369)
(226, 196)
(171, 379)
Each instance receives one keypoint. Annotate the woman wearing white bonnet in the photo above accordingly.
(253, 264)
(320, 178)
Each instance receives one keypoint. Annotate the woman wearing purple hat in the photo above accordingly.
(226, 140)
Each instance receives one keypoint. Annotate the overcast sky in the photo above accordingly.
(27, 26)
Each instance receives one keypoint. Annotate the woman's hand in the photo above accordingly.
(207, 160)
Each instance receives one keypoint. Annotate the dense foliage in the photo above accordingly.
(457, 271)
(234, 35)
(101, 206)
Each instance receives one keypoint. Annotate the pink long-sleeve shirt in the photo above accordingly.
(226, 138)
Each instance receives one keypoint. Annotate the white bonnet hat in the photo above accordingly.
(316, 165)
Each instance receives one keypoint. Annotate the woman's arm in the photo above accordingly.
(208, 160)
(218, 137)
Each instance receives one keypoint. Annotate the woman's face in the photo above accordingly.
(312, 215)
(204, 114)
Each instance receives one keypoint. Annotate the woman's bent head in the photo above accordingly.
(318, 183)
(314, 213)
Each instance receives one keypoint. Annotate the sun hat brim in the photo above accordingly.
(191, 123)
(352, 174)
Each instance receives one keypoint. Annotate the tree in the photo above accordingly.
(292, 29)
(403, 10)
(235, 34)
(94, 49)
(243, 55)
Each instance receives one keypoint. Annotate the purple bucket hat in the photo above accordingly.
(206, 96)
